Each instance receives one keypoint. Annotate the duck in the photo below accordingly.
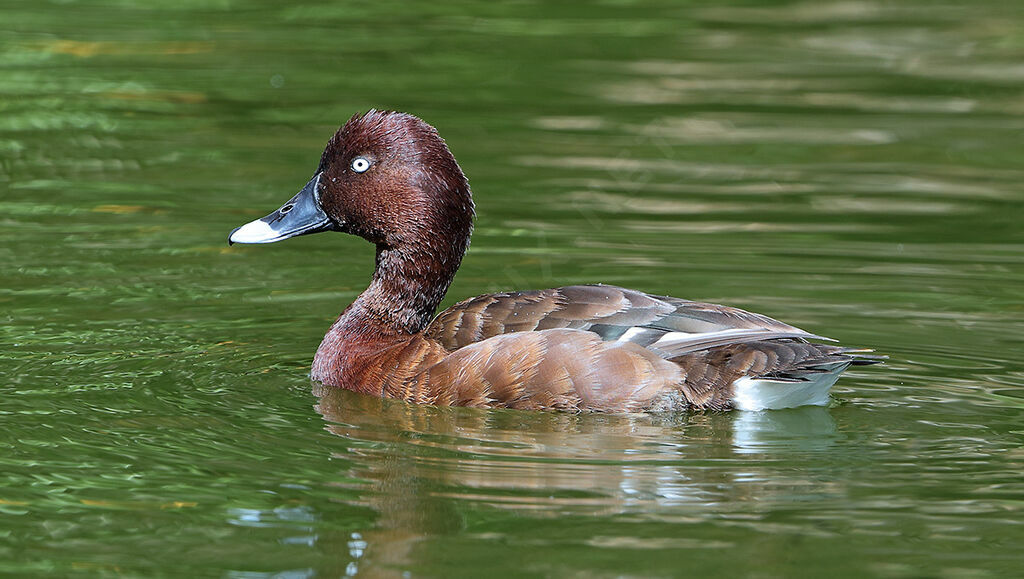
(390, 178)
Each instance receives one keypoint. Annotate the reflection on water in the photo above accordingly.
(417, 464)
(804, 429)
(593, 458)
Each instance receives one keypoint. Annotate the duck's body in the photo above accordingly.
(389, 178)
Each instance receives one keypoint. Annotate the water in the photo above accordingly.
(853, 168)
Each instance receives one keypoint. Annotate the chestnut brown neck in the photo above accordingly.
(408, 284)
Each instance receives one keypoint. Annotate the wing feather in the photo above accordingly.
(667, 324)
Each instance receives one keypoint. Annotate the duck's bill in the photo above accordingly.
(301, 215)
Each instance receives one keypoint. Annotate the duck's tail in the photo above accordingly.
(805, 384)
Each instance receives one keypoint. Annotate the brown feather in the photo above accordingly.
(475, 354)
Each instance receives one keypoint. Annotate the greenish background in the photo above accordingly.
(851, 167)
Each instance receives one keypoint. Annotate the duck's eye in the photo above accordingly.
(360, 165)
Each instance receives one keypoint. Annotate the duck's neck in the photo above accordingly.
(408, 284)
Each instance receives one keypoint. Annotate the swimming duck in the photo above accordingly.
(389, 178)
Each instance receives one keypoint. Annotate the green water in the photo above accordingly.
(853, 168)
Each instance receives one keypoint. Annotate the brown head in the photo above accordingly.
(389, 178)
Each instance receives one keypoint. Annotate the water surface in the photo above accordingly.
(853, 168)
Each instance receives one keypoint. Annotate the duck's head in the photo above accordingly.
(384, 176)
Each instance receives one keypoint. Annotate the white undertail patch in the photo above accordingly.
(751, 393)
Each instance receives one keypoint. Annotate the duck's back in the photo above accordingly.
(608, 348)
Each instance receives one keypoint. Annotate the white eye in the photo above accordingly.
(360, 165)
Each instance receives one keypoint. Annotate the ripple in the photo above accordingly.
(705, 130)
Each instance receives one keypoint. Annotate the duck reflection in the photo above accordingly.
(808, 428)
(422, 465)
